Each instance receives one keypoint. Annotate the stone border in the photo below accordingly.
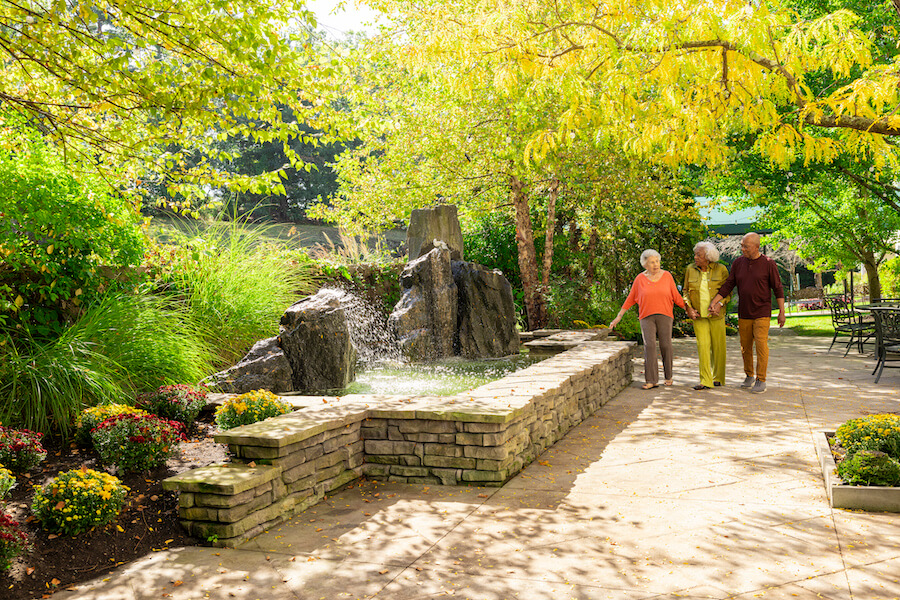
(285, 464)
(859, 497)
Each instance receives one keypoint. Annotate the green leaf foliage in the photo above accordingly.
(59, 239)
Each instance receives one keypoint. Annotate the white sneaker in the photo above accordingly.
(748, 382)
(759, 386)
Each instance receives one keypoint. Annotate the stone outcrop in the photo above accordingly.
(316, 340)
(264, 367)
(424, 320)
(429, 224)
(486, 314)
(454, 308)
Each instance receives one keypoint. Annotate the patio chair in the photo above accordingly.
(887, 333)
(848, 322)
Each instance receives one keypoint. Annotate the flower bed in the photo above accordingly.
(860, 497)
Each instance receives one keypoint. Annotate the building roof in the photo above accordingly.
(722, 222)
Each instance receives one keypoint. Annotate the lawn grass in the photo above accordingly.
(808, 325)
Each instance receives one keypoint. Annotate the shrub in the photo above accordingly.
(874, 432)
(177, 402)
(250, 408)
(56, 232)
(78, 500)
(136, 442)
(91, 417)
(869, 467)
(13, 541)
(20, 449)
(7, 481)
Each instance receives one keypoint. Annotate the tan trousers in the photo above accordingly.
(755, 331)
(653, 327)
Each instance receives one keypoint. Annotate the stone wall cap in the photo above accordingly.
(223, 478)
(274, 432)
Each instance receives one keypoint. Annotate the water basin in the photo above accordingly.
(443, 378)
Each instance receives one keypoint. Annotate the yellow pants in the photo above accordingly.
(711, 349)
(755, 331)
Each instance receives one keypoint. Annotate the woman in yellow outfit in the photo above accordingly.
(701, 283)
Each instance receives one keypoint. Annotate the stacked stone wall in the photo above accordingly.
(285, 464)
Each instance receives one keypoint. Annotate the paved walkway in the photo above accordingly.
(662, 494)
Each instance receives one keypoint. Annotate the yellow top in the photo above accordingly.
(704, 293)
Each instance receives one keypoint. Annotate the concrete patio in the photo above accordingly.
(667, 493)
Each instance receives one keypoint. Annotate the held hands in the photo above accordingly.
(714, 308)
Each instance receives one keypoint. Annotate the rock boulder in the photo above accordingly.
(316, 340)
(429, 224)
(264, 367)
(486, 319)
(424, 320)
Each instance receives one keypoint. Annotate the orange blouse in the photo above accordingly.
(654, 297)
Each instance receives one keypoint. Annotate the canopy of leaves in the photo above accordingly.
(133, 87)
(672, 80)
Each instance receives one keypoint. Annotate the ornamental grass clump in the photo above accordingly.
(93, 416)
(178, 402)
(13, 541)
(78, 500)
(880, 433)
(20, 449)
(249, 408)
(7, 481)
(136, 442)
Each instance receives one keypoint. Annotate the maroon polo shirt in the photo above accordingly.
(755, 280)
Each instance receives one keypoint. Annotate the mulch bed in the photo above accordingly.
(148, 523)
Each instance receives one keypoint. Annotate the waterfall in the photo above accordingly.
(369, 330)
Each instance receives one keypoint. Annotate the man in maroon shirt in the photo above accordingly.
(756, 277)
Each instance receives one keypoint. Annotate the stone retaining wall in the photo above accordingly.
(285, 464)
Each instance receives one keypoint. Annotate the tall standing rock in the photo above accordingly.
(315, 338)
(486, 319)
(429, 224)
(424, 320)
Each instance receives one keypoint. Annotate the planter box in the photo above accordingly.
(870, 498)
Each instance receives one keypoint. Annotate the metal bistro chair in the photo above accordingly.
(887, 330)
(848, 322)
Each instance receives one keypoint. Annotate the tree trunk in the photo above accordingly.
(820, 285)
(593, 242)
(574, 244)
(872, 276)
(535, 310)
(548, 235)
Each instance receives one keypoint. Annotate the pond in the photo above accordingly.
(443, 378)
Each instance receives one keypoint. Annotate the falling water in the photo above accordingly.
(369, 331)
(382, 369)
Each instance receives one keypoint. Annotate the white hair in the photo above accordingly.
(647, 254)
(712, 253)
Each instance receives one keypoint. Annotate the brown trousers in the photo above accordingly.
(653, 326)
(755, 331)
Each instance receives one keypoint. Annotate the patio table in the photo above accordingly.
(887, 332)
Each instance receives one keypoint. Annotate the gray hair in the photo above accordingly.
(712, 253)
(647, 254)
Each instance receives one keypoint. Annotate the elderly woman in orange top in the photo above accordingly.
(655, 294)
